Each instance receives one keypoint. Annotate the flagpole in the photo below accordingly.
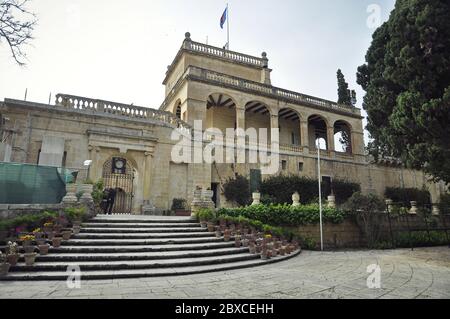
(320, 194)
(228, 27)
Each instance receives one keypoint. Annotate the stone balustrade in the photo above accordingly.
(100, 107)
(196, 73)
(222, 53)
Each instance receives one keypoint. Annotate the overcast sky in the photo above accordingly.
(119, 50)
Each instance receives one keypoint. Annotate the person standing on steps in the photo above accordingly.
(110, 201)
(104, 203)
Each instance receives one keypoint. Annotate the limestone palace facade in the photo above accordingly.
(222, 88)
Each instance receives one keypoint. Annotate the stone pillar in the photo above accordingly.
(413, 210)
(331, 201)
(296, 199)
(304, 139)
(330, 140)
(70, 198)
(240, 117)
(87, 193)
(256, 198)
(147, 175)
(436, 210)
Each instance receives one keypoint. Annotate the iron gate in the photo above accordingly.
(123, 184)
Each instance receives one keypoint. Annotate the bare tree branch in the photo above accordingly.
(16, 27)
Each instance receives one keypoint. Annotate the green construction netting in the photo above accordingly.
(32, 184)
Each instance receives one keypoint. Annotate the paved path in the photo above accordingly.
(423, 273)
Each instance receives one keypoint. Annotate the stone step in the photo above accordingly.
(142, 235)
(142, 230)
(137, 249)
(143, 220)
(128, 242)
(140, 225)
(143, 273)
(77, 257)
(134, 264)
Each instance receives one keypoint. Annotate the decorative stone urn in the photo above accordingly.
(30, 259)
(71, 196)
(413, 210)
(87, 190)
(436, 211)
(256, 198)
(296, 199)
(390, 205)
(331, 201)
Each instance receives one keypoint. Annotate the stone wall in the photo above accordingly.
(349, 235)
(13, 211)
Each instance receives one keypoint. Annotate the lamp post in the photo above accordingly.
(320, 193)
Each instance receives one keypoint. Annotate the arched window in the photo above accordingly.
(342, 137)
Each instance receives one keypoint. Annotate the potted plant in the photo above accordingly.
(27, 243)
(56, 242)
(43, 249)
(30, 258)
(211, 226)
(4, 265)
(48, 227)
(12, 253)
(179, 207)
(252, 248)
(75, 215)
(204, 216)
(218, 232)
(66, 234)
(227, 235)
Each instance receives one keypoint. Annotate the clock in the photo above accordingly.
(119, 165)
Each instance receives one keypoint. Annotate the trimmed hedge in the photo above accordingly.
(30, 221)
(280, 189)
(405, 196)
(286, 215)
(238, 190)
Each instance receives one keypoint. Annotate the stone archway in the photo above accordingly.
(121, 178)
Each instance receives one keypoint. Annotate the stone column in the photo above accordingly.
(330, 140)
(147, 174)
(296, 199)
(304, 139)
(436, 210)
(240, 117)
(256, 198)
(413, 210)
(331, 201)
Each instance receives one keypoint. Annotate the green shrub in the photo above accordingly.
(280, 189)
(29, 221)
(205, 214)
(75, 214)
(237, 190)
(421, 239)
(286, 215)
(404, 196)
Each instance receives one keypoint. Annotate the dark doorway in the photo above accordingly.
(326, 186)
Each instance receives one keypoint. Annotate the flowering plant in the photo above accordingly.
(27, 237)
(37, 230)
(11, 248)
(49, 224)
(269, 236)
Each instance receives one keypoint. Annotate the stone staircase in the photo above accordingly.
(138, 246)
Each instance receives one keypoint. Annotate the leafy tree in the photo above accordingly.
(344, 96)
(237, 190)
(407, 82)
(16, 26)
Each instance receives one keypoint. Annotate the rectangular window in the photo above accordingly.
(283, 165)
(300, 167)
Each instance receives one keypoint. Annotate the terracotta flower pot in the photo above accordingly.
(30, 259)
(43, 249)
(211, 227)
(66, 234)
(13, 259)
(41, 242)
(218, 234)
(4, 269)
(27, 243)
(56, 242)
(282, 251)
(50, 235)
(203, 224)
(76, 230)
(252, 249)
(238, 243)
